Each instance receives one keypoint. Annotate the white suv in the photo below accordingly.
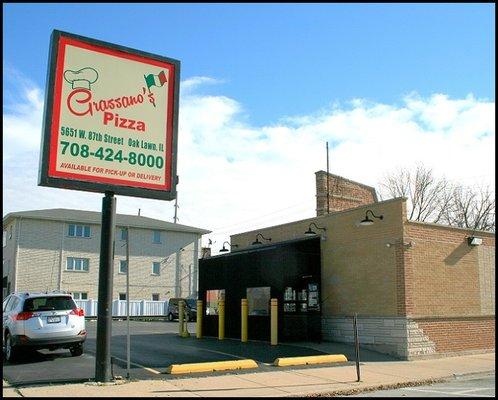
(42, 321)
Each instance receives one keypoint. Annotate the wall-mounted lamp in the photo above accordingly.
(368, 221)
(309, 232)
(257, 242)
(224, 249)
(474, 241)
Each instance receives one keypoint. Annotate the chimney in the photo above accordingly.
(344, 194)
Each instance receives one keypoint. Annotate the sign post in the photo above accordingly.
(110, 126)
(104, 309)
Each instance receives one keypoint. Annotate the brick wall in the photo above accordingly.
(463, 334)
(450, 287)
(449, 277)
(486, 260)
(343, 193)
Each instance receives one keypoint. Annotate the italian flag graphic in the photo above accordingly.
(155, 80)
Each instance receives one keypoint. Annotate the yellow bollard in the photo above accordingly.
(243, 320)
(198, 324)
(274, 321)
(221, 319)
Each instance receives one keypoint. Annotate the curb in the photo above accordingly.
(373, 388)
(398, 385)
(211, 366)
(476, 374)
(309, 360)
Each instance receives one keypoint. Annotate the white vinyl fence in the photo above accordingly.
(138, 308)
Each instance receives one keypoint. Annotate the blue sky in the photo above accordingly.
(288, 59)
(263, 87)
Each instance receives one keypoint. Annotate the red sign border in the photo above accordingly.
(47, 174)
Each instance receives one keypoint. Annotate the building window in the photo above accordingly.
(212, 298)
(258, 300)
(122, 296)
(156, 237)
(155, 296)
(77, 264)
(123, 233)
(156, 268)
(123, 267)
(79, 230)
(80, 295)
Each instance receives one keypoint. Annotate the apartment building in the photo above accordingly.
(59, 249)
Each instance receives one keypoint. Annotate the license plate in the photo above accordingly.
(53, 320)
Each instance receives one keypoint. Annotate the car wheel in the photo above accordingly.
(170, 317)
(11, 352)
(76, 350)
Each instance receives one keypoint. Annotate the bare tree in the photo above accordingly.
(426, 195)
(432, 199)
(473, 209)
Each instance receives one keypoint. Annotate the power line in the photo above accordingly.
(239, 223)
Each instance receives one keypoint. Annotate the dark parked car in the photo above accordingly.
(190, 309)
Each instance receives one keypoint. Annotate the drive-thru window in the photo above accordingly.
(288, 271)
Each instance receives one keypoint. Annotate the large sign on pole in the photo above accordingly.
(110, 120)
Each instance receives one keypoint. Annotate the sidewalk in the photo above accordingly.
(279, 383)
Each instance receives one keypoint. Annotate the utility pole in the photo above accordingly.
(127, 302)
(328, 191)
(176, 208)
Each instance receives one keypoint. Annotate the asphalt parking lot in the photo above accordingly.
(154, 347)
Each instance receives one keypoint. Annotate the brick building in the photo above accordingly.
(419, 289)
(59, 249)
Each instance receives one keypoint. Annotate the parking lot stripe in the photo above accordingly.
(214, 351)
(138, 365)
(131, 363)
(473, 390)
(448, 393)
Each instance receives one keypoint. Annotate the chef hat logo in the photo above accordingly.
(82, 78)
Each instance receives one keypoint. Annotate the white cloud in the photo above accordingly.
(235, 177)
(191, 84)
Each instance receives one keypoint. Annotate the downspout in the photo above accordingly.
(177, 275)
(16, 253)
(196, 267)
(61, 255)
